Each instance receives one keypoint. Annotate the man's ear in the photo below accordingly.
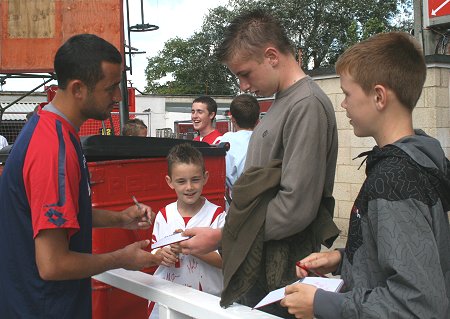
(212, 115)
(169, 181)
(380, 97)
(77, 88)
(272, 55)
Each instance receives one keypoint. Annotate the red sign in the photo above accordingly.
(438, 8)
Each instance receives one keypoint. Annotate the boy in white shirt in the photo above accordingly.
(244, 111)
(187, 176)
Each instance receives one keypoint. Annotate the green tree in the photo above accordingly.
(321, 29)
(189, 66)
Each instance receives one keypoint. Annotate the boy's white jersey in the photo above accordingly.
(189, 271)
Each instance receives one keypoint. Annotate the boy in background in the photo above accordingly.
(187, 176)
(396, 263)
(203, 112)
(244, 110)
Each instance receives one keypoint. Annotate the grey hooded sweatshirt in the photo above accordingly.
(396, 263)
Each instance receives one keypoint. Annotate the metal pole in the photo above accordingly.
(418, 23)
(123, 106)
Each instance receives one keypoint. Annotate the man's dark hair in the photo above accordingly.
(245, 110)
(184, 154)
(251, 32)
(81, 57)
(211, 105)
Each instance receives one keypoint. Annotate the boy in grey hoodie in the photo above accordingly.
(396, 263)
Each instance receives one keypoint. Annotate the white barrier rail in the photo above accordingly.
(176, 301)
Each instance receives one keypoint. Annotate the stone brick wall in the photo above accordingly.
(432, 114)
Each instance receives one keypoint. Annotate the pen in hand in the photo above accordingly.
(140, 208)
(316, 273)
(136, 202)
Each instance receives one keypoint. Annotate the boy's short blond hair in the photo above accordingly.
(393, 59)
(250, 33)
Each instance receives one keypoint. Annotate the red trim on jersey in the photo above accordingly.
(186, 220)
(163, 213)
(218, 211)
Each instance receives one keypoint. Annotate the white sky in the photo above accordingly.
(175, 18)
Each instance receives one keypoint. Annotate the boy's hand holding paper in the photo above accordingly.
(329, 284)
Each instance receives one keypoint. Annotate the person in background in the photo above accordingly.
(187, 177)
(396, 263)
(244, 113)
(3, 142)
(299, 130)
(46, 214)
(135, 127)
(203, 112)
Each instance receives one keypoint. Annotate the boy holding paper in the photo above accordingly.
(187, 176)
(396, 263)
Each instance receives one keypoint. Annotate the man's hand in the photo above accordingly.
(204, 240)
(137, 217)
(299, 299)
(324, 262)
(134, 257)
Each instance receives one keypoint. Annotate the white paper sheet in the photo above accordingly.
(171, 239)
(329, 284)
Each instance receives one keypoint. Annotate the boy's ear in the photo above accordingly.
(272, 55)
(169, 181)
(205, 176)
(380, 97)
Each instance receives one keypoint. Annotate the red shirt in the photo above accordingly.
(211, 138)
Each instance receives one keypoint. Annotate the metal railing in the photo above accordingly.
(176, 301)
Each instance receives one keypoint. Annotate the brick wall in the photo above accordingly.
(432, 114)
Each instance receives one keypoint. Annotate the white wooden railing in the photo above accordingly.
(176, 301)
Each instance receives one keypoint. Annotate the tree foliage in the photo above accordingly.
(321, 29)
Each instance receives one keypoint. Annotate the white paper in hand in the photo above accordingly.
(329, 284)
(171, 239)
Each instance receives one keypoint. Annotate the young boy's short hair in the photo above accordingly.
(245, 110)
(184, 154)
(393, 59)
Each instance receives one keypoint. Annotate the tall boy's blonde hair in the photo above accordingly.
(393, 59)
